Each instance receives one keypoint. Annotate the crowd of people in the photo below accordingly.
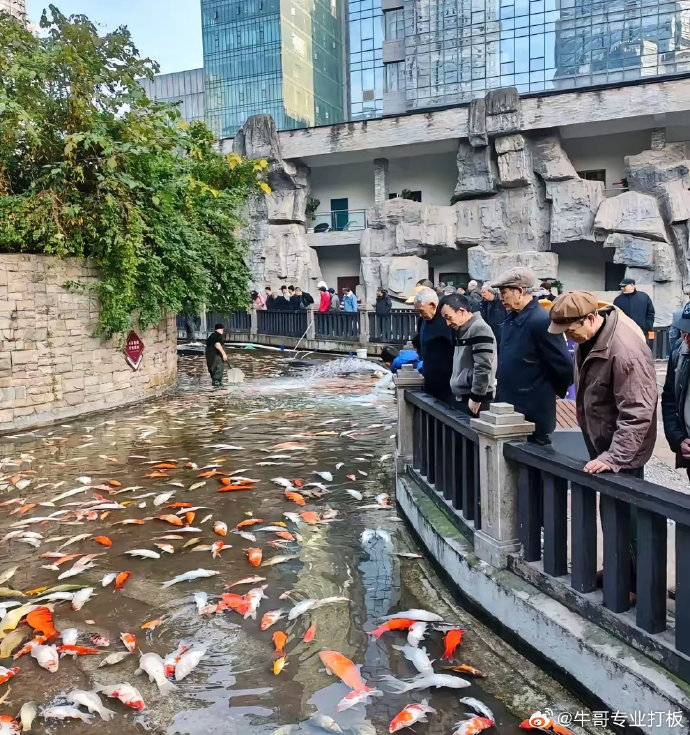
(507, 341)
(293, 298)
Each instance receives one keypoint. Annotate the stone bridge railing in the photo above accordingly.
(534, 512)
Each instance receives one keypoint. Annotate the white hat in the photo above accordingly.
(322, 284)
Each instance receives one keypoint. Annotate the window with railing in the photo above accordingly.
(341, 220)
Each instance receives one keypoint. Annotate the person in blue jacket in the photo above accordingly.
(349, 301)
(395, 359)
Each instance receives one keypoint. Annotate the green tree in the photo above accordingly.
(90, 167)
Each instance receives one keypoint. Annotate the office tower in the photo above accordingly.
(365, 56)
(283, 57)
(184, 88)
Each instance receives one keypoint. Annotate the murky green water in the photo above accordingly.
(339, 426)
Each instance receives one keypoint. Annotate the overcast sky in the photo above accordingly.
(168, 31)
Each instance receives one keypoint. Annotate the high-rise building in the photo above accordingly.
(183, 88)
(283, 57)
(446, 52)
(365, 57)
(14, 7)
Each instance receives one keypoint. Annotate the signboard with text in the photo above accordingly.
(134, 350)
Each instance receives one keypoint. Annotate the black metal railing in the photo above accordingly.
(341, 325)
(398, 327)
(237, 321)
(446, 457)
(282, 323)
(554, 491)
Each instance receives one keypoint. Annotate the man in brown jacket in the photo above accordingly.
(615, 380)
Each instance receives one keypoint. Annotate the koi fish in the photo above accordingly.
(392, 624)
(41, 620)
(216, 548)
(171, 660)
(81, 598)
(27, 715)
(7, 674)
(29, 647)
(246, 580)
(425, 682)
(220, 528)
(129, 641)
(167, 548)
(418, 657)
(451, 641)
(539, 721)
(171, 519)
(152, 624)
(478, 706)
(279, 664)
(410, 715)
(295, 497)
(254, 555)
(345, 670)
(465, 669)
(279, 641)
(66, 650)
(65, 712)
(92, 702)
(310, 634)
(270, 618)
(103, 541)
(248, 522)
(188, 662)
(416, 632)
(114, 658)
(121, 578)
(126, 693)
(310, 517)
(416, 615)
(153, 665)
(47, 657)
(143, 553)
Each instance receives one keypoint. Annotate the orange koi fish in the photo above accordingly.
(211, 473)
(189, 517)
(248, 522)
(394, 624)
(39, 640)
(177, 506)
(220, 528)
(541, 722)
(451, 641)
(171, 519)
(238, 603)
(285, 535)
(270, 618)
(121, 578)
(78, 650)
(297, 482)
(344, 669)
(7, 674)
(103, 541)
(41, 620)
(152, 624)
(157, 473)
(279, 664)
(165, 466)
(295, 497)
(310, 517)
(216, 548)
(114, 483)
(473, 726)
(409, 716)
(279, 641)
(310, 634)
(255, 556)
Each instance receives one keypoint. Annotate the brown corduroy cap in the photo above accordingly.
(571, 307)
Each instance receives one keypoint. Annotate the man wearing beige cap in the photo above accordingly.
(533, 365)
(615, 381)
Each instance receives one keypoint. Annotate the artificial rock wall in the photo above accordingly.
(276, 223)
(518, 195)
(51, 366)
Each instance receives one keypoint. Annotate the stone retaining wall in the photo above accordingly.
(51, 366)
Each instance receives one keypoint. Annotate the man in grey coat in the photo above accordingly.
(474, 361)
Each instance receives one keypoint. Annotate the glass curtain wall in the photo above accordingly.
(456, 50)
(277, 57)
(365, 20)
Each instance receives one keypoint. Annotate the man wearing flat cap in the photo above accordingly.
(615, 380)
(533, 366)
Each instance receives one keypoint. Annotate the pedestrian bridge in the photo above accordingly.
(523, 533)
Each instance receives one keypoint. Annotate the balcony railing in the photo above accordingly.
(345, 220)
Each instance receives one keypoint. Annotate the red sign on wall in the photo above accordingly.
(134, 350)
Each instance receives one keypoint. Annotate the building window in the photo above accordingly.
(454, 279)
(598, 174)
(395, 79)
(614, 273)
(394, 23)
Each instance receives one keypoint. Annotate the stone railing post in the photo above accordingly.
(498, 536)
(253, 323)
(204, 325)
(407, 378)
(311, 323)
(364, 327)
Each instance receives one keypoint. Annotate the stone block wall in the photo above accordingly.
(52, 367)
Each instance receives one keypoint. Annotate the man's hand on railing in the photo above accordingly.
(596, 466)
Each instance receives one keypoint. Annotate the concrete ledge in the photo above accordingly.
(305, 345)
(612, 672)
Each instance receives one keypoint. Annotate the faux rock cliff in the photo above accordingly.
(276, 222)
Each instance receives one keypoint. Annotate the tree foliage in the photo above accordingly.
(89, 166)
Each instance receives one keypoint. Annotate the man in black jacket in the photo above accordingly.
(533, 366)
(675, 407)
(635, 304)
(492, 310)
(436, 345)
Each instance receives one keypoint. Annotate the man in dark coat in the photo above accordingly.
(492, 310)
(533, 366)
(436, 342)
(635, 304)
(383, 302)
(675, 407)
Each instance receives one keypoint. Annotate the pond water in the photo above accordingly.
(282, 422)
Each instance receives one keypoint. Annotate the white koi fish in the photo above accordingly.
(153, 665)
(189, 576)
(188, 662)
(425, 682)
(92, 702)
